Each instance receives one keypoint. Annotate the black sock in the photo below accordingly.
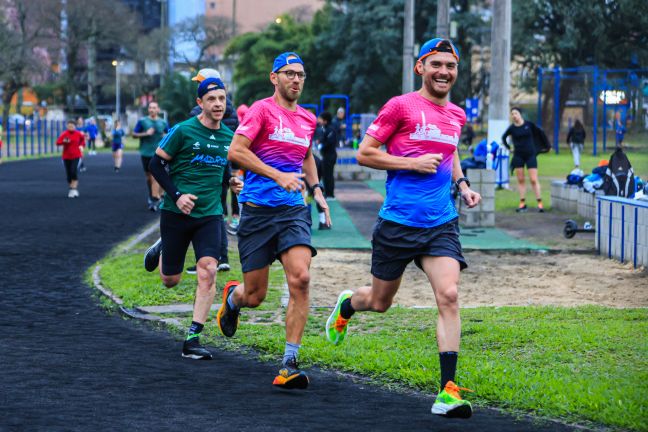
(448, 361)
(346, 310)
(194, 329)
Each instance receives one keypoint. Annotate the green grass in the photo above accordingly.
(583, 364)
(126, 277)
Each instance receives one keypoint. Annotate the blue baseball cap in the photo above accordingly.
(283, 60)
(437, 45)
(208, 85)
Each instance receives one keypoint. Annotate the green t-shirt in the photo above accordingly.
(148, 144)
(199, 157)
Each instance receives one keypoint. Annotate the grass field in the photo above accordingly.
(582, 364)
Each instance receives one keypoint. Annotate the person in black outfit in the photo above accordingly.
(576, 140)
(523, 133)
(328, 139)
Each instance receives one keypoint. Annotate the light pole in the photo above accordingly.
(116, 64)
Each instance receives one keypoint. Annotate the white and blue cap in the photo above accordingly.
(286, 59)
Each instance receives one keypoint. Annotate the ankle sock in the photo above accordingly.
(322, 218)
(291, 350)
(230, 301)
(194, 330)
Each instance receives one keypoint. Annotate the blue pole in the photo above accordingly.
(605, 89)
(556, 107)
(31, 138)
(46, 139)
(595, 99)
(25, 138)
(539, 116)
(17, 139)
(39, 137)
(8, 138)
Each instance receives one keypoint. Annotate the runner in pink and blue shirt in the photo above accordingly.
(418, 222)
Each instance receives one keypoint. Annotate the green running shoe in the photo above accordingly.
(336, 326)
(448, 403)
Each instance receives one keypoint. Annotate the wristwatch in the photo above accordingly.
(462, 179)
(315, 186)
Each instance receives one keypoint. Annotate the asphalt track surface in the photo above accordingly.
(66, 364)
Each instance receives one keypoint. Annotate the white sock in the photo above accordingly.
(322, 217)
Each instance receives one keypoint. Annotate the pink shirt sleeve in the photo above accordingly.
(252, 123)
(387, 122)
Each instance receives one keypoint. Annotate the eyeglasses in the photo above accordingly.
(292, 74)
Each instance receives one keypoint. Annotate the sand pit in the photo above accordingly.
(496, 280)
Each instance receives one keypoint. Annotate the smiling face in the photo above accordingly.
(439, 73)
(213, 104)
(289, 88)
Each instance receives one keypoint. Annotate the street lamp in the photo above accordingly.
(116, 65)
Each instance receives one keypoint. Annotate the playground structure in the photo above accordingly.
(614, 89)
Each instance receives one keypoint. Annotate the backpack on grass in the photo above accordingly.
(619, 177)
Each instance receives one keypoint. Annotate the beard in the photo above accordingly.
(429, 86)
(287, 94)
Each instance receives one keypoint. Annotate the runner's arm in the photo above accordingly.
(370, 155)
(157, 166)
(470, 197)
(240, 154)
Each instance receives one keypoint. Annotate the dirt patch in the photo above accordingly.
(496, 280)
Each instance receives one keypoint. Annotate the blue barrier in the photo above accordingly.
(31, 139)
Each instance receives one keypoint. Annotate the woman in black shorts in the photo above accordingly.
(523, 133)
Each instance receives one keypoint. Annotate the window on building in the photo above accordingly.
(212, 5)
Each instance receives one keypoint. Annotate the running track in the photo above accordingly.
(65, 364)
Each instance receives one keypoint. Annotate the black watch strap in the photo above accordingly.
(462, 179)
(315, 186)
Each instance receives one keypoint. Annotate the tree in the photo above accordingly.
(568, 33)
(22, 42)
(204, 33)
(177, 96)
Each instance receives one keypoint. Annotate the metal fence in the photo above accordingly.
(31, 138)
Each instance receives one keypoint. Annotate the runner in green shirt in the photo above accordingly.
(195, 152)
(150, 130)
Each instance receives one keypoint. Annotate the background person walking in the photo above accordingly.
(150, 130)
(73, 142)
(576, 141)
(523, 133)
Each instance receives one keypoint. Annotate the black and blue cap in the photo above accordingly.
(437, 45)
(208, 85)
(285, 59)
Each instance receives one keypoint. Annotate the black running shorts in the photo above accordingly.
(521, 159)
(266, 232)
(178, 230)
(71, 166)
(394, 246)
(145, 163)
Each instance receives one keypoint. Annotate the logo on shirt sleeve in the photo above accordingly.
(373, 127)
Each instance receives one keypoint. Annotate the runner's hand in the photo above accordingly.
(292, 182)
(236, 185)
(427, 163)
(150, 131)
(470, 197)
(319, 199)
(186, 203)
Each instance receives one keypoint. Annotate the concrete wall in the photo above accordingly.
(483, 182)
(622, 229)
(572, 199)
(347, 168)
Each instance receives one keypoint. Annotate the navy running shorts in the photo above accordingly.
(178, 230)
(264, 233)
(394, 246)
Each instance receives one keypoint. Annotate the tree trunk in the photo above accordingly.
(92, 69)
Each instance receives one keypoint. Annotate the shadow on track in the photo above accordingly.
(67, 365)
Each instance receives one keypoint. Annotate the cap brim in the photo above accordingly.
(198, 78)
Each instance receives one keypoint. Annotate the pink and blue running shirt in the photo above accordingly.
(281, 139)
(411, 126)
